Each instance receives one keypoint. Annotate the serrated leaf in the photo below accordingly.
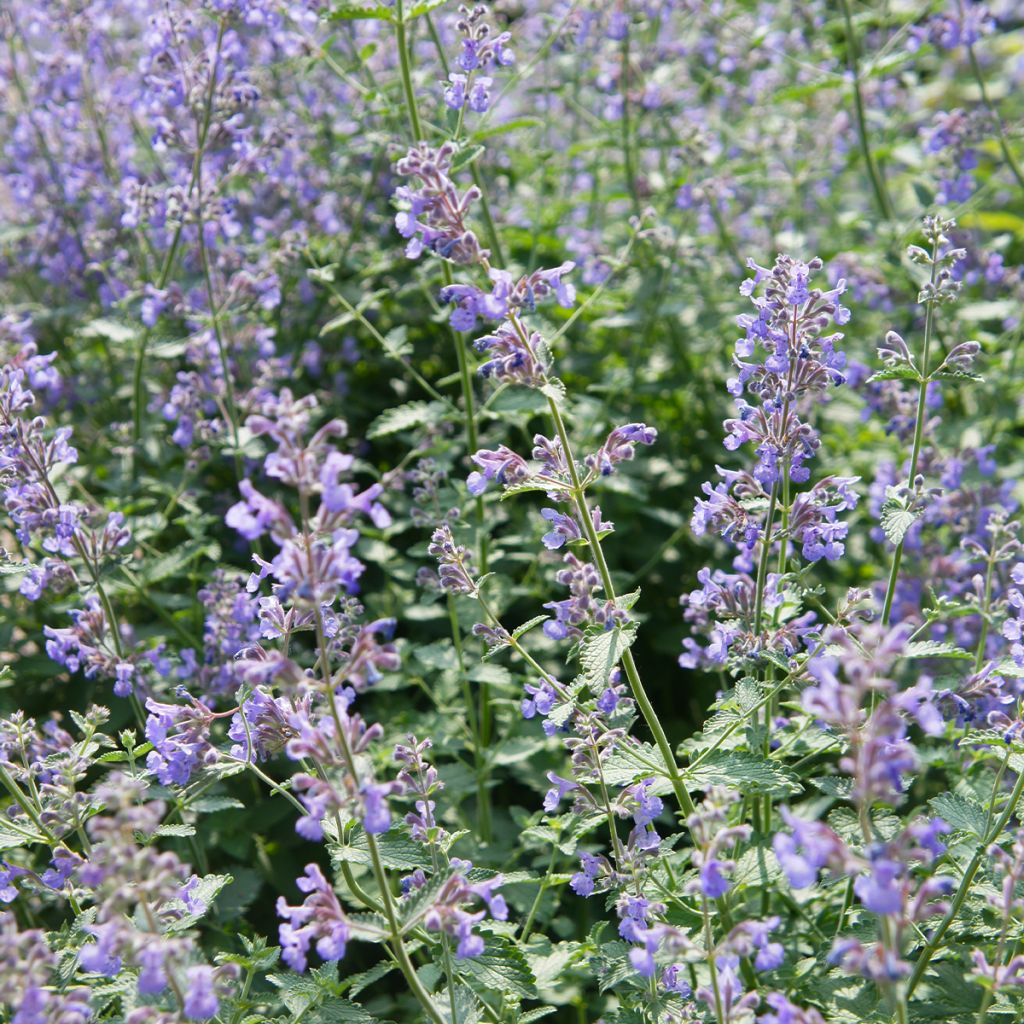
(528, 625)
(613, 965)
(359, 12)
(507, 126)
(528, 485)
(748, 694)
(601, 652)
(961, 813)
(555, 390)
(395, 343)
(902, 371)
(24, 834)
(177, 560)
(205, 892)
(212, 804)
(742, 770)
(467, 156)
(515, 750)
(357, 982)
(402, 417)
(179, 831)
(896, 520)
(396, 850)
(336, 1010)
(834, 785)
(112, 330)
(630, 762)
(949, 374)
(500, 968)
(936, 649)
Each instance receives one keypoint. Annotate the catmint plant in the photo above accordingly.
(373, 381)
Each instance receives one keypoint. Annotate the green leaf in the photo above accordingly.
(301, 992)
(176, 561)
(395, 343)
(507, 126)
(902, 371)
(630, 762)
(613, 965)
(500, 968)
(936, 649)
(212, 804)
(112, 330)
(998, 310)
(602, 650)
(335, 1010)
(897, 519)
(467, 156)
(403, 417)
(206, 892)
(555, 390)
(528, 625)
(396, 851)
(175, 830)
(355, 983)
(956, 375)
(961, 813)
(530, 486)
(356, 12)
(24, 834)
(424, 7)
(741, 770)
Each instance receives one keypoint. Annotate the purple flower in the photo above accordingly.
(881, 890)
(318, 918)
(201, 1002)
(712, 882)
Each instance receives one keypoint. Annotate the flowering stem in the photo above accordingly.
(635, 683)
(541, 889)
(138, 384)
(406, 69)
(853, 63)
(483, 799)
(627, 144)
(1004, 146)
(465, 379)
(986, 605)
(709, 947)
(19, 798)
(394, 932)
(915, 453)
(965, 886)
(762, 565)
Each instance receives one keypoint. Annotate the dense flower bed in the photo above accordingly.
(511, 511)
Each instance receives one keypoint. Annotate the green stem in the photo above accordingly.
(627, 143)
(986, 604)
(935, 942)
(762, 565)
(483, 798)
(635, 684)
(406, 70)
(138, 383)
(1004, 146)
(915, 453)
(535, 906)
(853, 63)
(710, 951)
